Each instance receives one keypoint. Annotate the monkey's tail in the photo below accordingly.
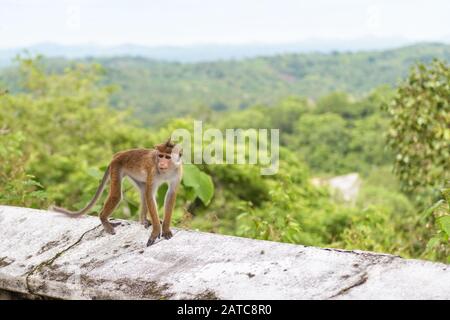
(98, 193)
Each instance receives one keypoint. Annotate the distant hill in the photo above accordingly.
(202, 52)
(160, 89)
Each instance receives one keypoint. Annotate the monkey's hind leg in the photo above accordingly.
(114, 197)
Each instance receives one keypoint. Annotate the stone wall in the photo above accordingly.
(47, 255)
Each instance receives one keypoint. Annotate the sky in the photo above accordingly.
(187, 22)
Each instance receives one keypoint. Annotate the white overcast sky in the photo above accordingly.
(182, 22)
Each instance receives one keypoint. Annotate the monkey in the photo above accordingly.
(148, 169)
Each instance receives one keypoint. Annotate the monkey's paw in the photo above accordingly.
(108, 228)
(152, 239)
(167, 234)
(115, 224)
(146, 224)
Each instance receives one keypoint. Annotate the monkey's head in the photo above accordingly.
(168, 156)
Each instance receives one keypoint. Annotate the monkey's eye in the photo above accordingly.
(160, 155)
(168, 157)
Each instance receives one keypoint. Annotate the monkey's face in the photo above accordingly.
(165, 162)
(168, 156)
(169, 161)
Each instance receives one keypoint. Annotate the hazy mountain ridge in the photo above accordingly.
(203, 52)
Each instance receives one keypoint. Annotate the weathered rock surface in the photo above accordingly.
(344, 187)
(46, 254)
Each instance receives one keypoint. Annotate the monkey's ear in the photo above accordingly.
(177, 152)
(177, 149)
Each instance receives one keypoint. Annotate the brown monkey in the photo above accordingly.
(148, 169)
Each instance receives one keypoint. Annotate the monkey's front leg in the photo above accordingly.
(151, 205)
(169, 204)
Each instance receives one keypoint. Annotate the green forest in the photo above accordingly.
(384, 115)
(157, 91)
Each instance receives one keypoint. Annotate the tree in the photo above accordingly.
(419, 128)
(323, 140)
